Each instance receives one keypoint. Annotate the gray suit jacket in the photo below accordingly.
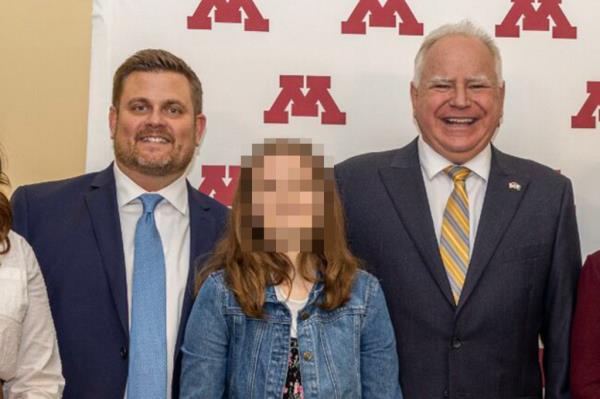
(521, 281)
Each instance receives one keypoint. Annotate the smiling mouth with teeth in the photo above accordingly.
(154, 139)
(459, 121)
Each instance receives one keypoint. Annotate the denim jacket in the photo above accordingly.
(347, 353)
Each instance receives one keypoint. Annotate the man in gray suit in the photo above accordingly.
(477, 251)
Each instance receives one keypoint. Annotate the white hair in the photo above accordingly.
(462, 28)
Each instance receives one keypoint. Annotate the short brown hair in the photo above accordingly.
(249, 271)
(156, 60)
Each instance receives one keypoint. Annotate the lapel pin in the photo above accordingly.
(514, 186)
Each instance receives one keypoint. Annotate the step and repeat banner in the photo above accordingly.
(339, 71)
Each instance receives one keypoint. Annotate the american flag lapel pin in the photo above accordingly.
(514, 186)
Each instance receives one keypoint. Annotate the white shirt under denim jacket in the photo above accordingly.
(349, 352)
(29, 359)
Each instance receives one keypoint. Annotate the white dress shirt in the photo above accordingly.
(173, 224)
(29, 358)
(439, 185)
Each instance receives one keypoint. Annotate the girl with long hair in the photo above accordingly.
(283, 310)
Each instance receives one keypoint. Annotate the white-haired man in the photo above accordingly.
(477, 251)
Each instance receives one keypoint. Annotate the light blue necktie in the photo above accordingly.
(148, 339)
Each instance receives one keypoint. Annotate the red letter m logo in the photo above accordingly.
(228, 11)
(218, 184)
(382, 16)
(536, 19)
(585, 118)
(305, 105)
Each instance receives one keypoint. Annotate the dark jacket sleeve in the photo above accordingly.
(559, 300)
(585, 337)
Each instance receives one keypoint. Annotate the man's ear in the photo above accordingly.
(502, 93)
(112, 120)
(200, 127)
(414, 95)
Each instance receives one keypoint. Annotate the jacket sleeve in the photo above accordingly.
(378, 356)
(559, 299)
(205, 346)
(585, 336)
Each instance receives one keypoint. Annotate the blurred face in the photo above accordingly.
(288, 200)
(458, 103)
(154, 130)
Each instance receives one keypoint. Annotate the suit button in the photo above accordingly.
(446, 393)
(308, 356)
(123, 352)
(304, 315)
(456, 343)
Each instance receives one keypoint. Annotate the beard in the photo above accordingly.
(176, 161)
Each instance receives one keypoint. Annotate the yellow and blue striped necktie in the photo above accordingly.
(454, 242)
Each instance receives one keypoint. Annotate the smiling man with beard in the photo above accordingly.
(477, 250)
(117, 247)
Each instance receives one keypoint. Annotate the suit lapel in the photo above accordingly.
(101, 201)
(403, 180)
(203, 233)
(502, 198)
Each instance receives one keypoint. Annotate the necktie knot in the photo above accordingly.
(457, 173)
(149, 201)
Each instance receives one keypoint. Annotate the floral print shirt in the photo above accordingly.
(293, 383)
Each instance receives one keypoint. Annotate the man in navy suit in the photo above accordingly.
(84, 233)
(477, 251)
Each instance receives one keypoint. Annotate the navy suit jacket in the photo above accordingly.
(521, 282)
(73, 226)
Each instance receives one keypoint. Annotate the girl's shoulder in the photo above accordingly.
(364, 287)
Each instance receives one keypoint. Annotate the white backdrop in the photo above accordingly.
(240, 64)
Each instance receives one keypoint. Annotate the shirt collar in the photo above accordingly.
(433, 163)
(313, 296)
(128, 191)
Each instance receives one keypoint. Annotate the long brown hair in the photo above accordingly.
(5, 214)
(248, 271)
